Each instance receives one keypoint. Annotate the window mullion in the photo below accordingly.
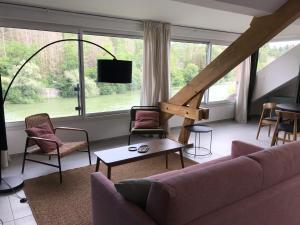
(208, 60)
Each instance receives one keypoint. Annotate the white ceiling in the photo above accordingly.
(252, 7)
(224, 15)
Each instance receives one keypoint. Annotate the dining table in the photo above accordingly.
(291, 107)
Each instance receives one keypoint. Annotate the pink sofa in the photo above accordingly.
(246, 188)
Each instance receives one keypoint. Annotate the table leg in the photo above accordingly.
(108, 172)
(167, 161)
(97, 165)
(181, 158)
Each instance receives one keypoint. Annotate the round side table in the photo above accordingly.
(198, 129)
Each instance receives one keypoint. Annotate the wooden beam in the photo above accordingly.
(262, 30)
(185, 111)
(184, 133)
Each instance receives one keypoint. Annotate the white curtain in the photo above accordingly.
(242, 91)
(155, 85)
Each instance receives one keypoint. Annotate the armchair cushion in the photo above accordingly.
(146, 119)
(44, 131)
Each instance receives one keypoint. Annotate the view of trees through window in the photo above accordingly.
(43, 85)
(225, 88)
(103, 97)
(186, 61)
(46, 83)
(273, 50)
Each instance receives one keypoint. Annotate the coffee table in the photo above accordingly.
(119, 156)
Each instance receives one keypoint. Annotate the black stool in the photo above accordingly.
(198, 129)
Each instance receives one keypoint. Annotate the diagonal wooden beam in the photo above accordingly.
(261, 30)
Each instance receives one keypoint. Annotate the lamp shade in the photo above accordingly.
(3, 142)
(114, 71)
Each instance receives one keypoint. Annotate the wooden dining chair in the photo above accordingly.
(267, 117)
(60, 151)
(287, 122)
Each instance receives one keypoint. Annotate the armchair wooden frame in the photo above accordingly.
(30, 141)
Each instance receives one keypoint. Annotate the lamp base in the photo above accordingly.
(10, 184)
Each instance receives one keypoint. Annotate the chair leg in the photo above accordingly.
(167, 161)
(284, 137)
(275, 137)
(49, 157)
(269, 130)
(59, 166)
(89, 152)
(24, 156)
(259, 127)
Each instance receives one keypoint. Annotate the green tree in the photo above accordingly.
(28, 87)
(70, 79)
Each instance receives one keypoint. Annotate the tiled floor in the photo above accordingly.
(12, 212)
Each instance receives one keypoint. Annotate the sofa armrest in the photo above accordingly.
(110, 208)
(239, 148)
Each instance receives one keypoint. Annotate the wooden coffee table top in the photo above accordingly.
(121, 155)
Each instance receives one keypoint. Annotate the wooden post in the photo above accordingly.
(184, 133)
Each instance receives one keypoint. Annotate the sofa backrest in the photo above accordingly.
(279, 163)
(177, 200)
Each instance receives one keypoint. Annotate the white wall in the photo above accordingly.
(277, 74)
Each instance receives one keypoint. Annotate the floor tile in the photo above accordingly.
(5, 209)
(9, 223)
(19, 209)
(28, 220)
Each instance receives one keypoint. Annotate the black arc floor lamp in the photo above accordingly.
(109, 71)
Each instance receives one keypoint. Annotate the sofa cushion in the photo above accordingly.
(135, 190)
(279, 163)
(172, 200)
(240, 148)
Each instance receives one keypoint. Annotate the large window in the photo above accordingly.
(46, 83)
(186, 60)
(103, 97)
(273, 50)
(225, 88)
